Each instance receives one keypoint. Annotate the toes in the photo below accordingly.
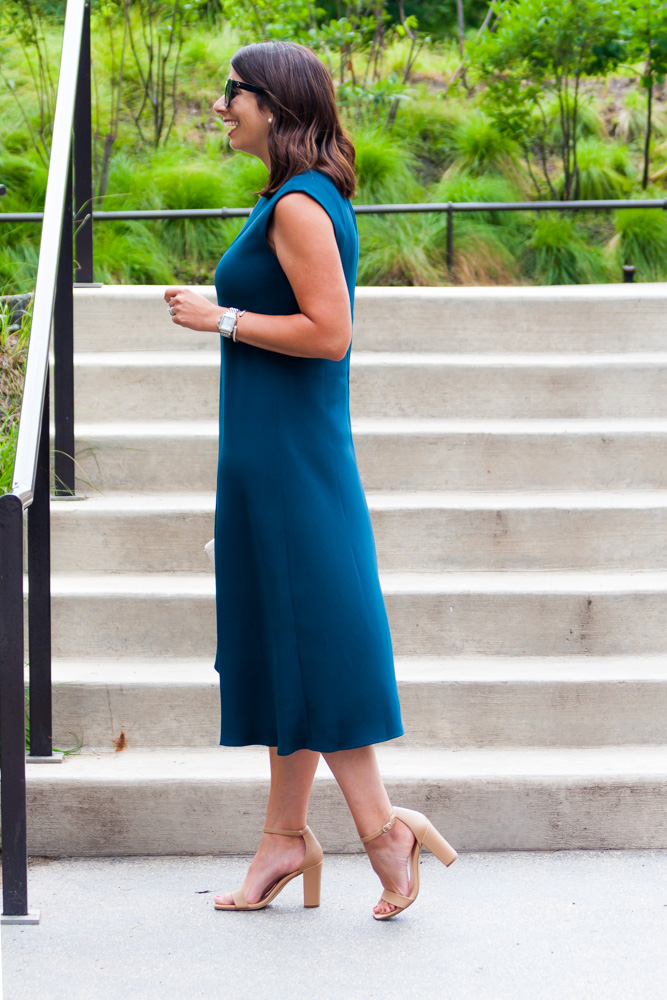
(384, 907)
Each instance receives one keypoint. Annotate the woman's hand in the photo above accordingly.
(192, 310)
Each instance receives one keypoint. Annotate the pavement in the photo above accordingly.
(501, 925)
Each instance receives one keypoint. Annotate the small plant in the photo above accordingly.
(641, 239)
(385, 171)
(605, 170)
(78, 742)
(14, 335)
(481, 148)
(556, 253)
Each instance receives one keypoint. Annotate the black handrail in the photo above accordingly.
(53, 303)
(85, 254)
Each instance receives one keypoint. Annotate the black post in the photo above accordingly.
(63, 349)
(83, 166)
(39, 598)
(12, 711)
(450, 238)
(628, 272)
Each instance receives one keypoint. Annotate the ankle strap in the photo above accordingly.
(383, 829)
(286, 833)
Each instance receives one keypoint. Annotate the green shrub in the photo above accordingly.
(605, 170)
(481, 148)
(385, 171)
(556, 253)
(641, 239)
(9, 431)
(400, 249)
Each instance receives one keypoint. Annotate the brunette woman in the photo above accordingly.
(304, 650)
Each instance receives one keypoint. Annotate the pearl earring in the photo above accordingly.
(270, 119)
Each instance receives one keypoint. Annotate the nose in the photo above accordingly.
(220, 104)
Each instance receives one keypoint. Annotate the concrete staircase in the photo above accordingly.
(513, 445)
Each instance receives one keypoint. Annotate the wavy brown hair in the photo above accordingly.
(306, 132)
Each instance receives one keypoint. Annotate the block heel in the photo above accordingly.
(425, 834)
(312, 883)
(310, 868)
(437, 845)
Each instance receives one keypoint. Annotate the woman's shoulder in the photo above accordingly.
(311, 179)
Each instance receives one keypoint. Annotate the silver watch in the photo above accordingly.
(227, 323)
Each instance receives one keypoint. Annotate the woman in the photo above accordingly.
(304, 650)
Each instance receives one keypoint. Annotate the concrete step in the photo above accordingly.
(430, 614)
(566, 318)
(143, 385)
(189, 801)
(400, 454)
(414, 531)
(451, 703)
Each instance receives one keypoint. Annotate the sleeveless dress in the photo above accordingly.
(304, 651)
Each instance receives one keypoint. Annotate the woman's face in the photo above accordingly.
(249, 126)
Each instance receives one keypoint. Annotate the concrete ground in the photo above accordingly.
(494, 926)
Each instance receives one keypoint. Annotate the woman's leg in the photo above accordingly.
(291, 783)
(358, 775)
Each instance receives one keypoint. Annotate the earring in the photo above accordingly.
(270, 119)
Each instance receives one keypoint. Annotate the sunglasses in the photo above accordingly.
(233, 86)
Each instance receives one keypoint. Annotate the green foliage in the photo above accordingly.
(555, 253)
(605, 169)
(426, 128)
(480, 147)
(541, 50)
(9, 432)
(524, 112)
(641, 239)
(14, 337)
(646, 35)
(274, 19)
(385, 170)
(400, 249)
(486, 243)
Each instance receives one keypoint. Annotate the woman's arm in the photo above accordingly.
(308, 254)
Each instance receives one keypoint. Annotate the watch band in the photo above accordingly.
(228, 321)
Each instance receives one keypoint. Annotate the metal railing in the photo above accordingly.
(53, 304)
(85, 255)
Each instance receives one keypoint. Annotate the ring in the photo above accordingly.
(171, 310)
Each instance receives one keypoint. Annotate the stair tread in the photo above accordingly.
(395, 425)
(123, 501)
(476, 359)
(478, 581)
(128, 671)
(164, 764)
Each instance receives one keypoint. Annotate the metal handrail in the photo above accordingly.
(37, 364)
(31, 489)
(85, 255)
(446, 206)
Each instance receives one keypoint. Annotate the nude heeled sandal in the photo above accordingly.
(310, 868)
(425, 835)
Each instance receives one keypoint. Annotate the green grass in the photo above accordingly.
(8, 435)
(606, 169)
(556, 253)
(13, 350)
(438, 150)
(641, 240)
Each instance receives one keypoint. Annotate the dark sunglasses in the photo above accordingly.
(233, 86)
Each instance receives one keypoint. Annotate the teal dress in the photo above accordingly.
(304, 651)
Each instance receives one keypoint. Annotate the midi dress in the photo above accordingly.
(304, 650)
